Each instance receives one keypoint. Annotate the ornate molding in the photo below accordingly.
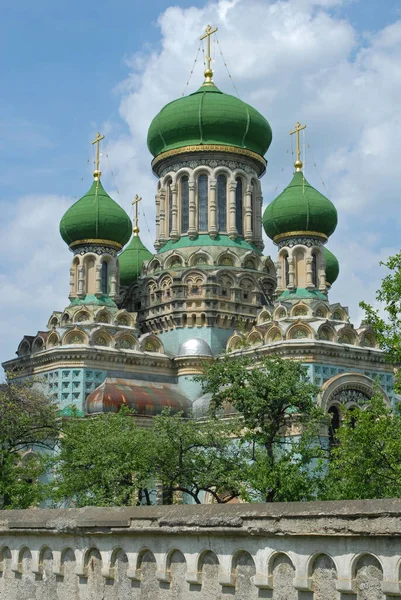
(96, 246)
(209, 148)
(307, 238)
(209, 162)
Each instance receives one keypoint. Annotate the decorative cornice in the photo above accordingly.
(209, 148)
(289, 234)
(99, 242)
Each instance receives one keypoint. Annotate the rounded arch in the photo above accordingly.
(313, 558)
(38, 344)
(205, 554)
(81, 316)
(154, 265)
(327, 333)
(151, 343)
(347, 335)
(254, 338)
(23, 554)
(227, 259)
(75, 336)
(54, 321)
(339, 314)
(358, 558)
(182, 172)
(241, 557)
(53, 340)
(202, 170)
(367, 339)
(200, 257)
(264, 317)
(300, 310)
(126, 341)
(175, 260)
(123, 318)
(24, 347)
(348, 388)
(274, 335)
(235, 342)
(103, 316)
(101, 337)
(280, 313)
(299, 331)
(274, 557)
(321, 311)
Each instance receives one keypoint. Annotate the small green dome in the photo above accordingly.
(131, 260)
(300, 208)
(96, 217)
(332, 266)
(209, 117)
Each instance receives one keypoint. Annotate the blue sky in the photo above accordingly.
(70, 69)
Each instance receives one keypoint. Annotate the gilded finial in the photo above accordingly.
(135, 203)
(298, 163)
(208, 70)
(97, 172)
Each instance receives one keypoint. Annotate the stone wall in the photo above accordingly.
(293, 551)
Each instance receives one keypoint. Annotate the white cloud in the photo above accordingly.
(35, 279)
(293, 60)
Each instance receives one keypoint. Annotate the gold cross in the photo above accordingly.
(208, 70)
(97, 141)
(135, 203)
(298, 162)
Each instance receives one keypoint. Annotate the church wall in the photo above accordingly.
(291, 551)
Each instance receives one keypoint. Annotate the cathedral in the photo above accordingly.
(139, 325)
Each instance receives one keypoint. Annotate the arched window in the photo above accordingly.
(334, 424)
(170, 207)
(184, 204)
(314, 269)
(222, 203)
(203, 203)
(104, 285)
(238, 206)
(286, 272)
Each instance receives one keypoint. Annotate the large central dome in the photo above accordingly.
(209, 117)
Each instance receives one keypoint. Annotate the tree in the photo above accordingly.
(195, 457)
(388, 327)
(100, 461)
(366, 459)
(281, 423)
(108, 460)
(28, 427)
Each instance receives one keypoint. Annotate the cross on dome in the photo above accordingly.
(136, 203)
(97, 172)
(208, 71)
(298, 163)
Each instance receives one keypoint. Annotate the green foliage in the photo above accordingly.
(97, 459)
(366, 460)
(388, 327)
(281, 423)
(28, 426)
(195, 457)
(108, 460)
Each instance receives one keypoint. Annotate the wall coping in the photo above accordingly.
(343, 518)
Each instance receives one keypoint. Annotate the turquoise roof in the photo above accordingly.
(92, 299)
(206, 240)
(302, 294)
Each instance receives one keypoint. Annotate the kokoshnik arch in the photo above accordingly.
(139, 324)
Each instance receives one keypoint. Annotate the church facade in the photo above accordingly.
(139, 325)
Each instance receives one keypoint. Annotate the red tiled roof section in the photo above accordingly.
(144, 397)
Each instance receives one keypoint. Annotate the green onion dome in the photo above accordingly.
(131, 260)
(332, 266)
(209, 117)
(96, 217)
(299, 209)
